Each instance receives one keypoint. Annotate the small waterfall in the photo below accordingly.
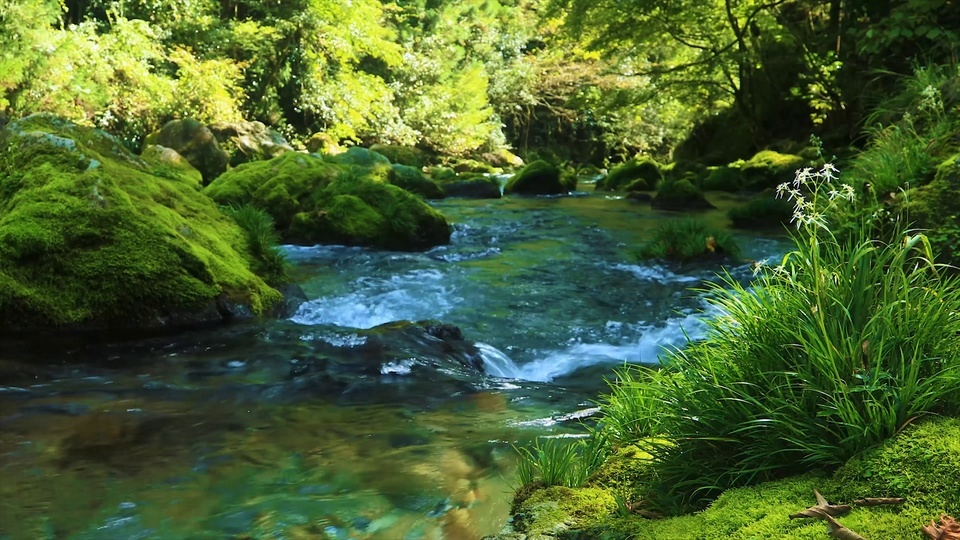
(647, 350)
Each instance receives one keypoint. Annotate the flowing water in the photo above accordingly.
(331, 425)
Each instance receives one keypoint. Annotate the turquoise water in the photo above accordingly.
(324, 424)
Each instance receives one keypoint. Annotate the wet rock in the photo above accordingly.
(540, 178)
(196, 143)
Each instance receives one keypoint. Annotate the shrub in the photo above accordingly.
(689, 239)
(831, 352)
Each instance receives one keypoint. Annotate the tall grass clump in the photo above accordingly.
(828, 353)
(688, 239)
(561, 462)
(262, 237)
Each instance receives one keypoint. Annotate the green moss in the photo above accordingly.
(92, 236)
(766, 210)
(539, 178)
(625, 472)
(472, 186)
(440, 174)
(401, 155)
(556, 509)
(936, 208)
(918, 465)
(474, 166)
(306, 198)
(767, 169)
(412, 180)
(638, 174)
(356, 155)
(680, 195)
(167, 163)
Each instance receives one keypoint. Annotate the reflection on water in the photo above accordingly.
(320, 427)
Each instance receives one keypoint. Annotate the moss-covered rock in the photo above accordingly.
(551, 511)
(441, 174)
(540, 178)
(767, 169)
(502, 158)
(472, 186)
(473, 166)
(161, 158)
(249, 141)
(196, 143)
(764, 211)
(723, 178)
(323, 144)
(94, 237)
(918, 465)
(680, 195)
(412, 180)
(313, 201)
(638, 174)
(359, 156)
(402, 155)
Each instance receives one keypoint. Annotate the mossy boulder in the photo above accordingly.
(764, 211)
(196, 143)
(359, 156)
(680, 195)
(638, 174)
(540, 178)
(412, 180)
(767, 169)
(402, 155)
(249, 141)
(94, 237)
(472, 186)
(441, 174)
(314, 201)
(723, 178)
(473, 166)
(323, 144)
(162, 158)
(502, 159)
(552, 511)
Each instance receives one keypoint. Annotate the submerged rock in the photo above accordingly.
(94, 237)
(313, 201)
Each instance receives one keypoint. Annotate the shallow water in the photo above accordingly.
(316, 425)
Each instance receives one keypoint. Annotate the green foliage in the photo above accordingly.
(935, 208)
(90, 236)
(723, 178)
(689, 239)
(830, 353)
(767, 169)
(638, 174)
(561, 462)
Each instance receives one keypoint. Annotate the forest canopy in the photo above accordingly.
(576, 79)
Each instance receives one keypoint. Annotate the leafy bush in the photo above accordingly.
(831, 352)
(689, 239)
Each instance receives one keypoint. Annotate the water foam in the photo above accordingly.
(413, 296)
(648, 350)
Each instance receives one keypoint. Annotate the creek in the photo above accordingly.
(329, 423)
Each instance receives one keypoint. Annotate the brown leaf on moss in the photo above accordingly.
(948, 529)
(822, 508)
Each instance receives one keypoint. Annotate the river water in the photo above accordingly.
(325, 426)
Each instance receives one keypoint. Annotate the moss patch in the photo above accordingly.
(680, 195)
(555, 509)
(412, 180)
(402, 155)
(313, 201)
(920, 464)
(936, 207)
(92, 236)
(767, 169)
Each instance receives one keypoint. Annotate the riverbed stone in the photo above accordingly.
(93, 237)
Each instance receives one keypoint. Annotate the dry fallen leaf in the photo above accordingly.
(949, 529)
